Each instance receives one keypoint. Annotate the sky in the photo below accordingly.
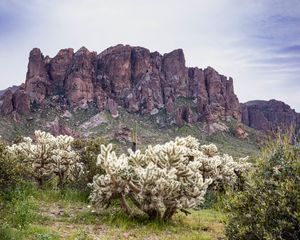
(256, 42)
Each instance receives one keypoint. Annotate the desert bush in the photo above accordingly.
(88, 150)
(49, 156)
(11, 169)
(269, 205)
(164, 178)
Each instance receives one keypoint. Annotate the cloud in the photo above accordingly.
(294, 49)
(11, 19)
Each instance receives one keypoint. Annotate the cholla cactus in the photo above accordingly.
(48, 155)
(163, 179)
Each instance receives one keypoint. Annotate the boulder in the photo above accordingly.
(113, 107)
(240, 132)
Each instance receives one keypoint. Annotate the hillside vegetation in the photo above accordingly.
(46, 191)
(150, 129)
(45, 194)
(51, 214)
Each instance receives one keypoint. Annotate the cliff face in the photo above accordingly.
(123, 76)
(141, 82)
(269, 115)
(17, 101)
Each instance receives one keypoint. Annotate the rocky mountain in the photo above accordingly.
(133, 78)
(269, 115)
(140, 82)
(12, 88)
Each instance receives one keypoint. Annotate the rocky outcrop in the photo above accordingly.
(21, 101)
(185, 115)
(37, 79)
(79, 88)
(175, 81)
(214, 93)
(222, 102)
(129, 77)
(58, 70)
(240, 132)
(141, 82)
(7, 103)
(269, 115)
(17, 102)
(12, 88)
(58, 128)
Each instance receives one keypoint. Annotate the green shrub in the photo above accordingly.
(88, 150)
(11, 169)
(18, 208)
(269, 205)
(6, 232)
(22, 214)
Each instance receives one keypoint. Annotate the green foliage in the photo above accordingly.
(43, 236)
(17, 212)
(11, 169)
(88, 150)
(82, 222)
(52, 195)
(21, 213)
(6, 232)
(269, 205)
(18, 208)
(213, 199)
(81, 235)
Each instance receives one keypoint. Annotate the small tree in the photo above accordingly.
(163, 179)
(48, 156)
(269, 205)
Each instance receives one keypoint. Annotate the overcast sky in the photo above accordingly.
(257, 42)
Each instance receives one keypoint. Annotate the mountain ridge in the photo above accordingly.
(141, 82)
(131, 77)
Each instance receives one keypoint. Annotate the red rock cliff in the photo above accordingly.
(130, 77)
(269, 115)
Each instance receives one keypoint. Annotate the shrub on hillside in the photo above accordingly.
(11, 169)
(269, 205)
(88, 150)
(164, 178)
(49, 156)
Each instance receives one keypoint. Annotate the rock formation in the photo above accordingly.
(133, 78)
(17, 101)
(12, 88)
(141, 82)
(37, 79)
(269, 115)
